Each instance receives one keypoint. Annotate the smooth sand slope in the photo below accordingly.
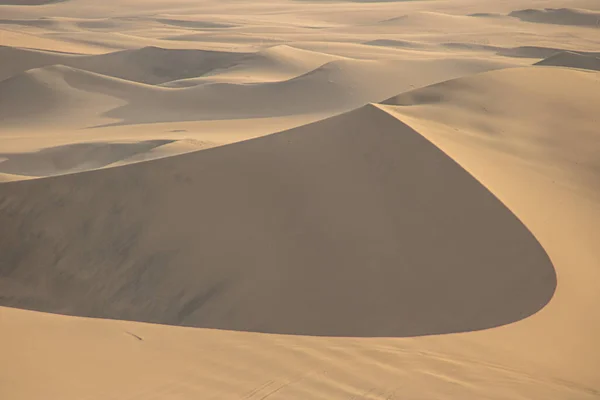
(544, 144)
(377, 200)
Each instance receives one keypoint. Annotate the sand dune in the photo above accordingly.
(150, 65)
(154, 65)
(540, 52)
(397, 43)
(73, 25)
(17, 60)
(271, 64)
(572, 60)
(77, 157)
(431, 19)
(48, 94)
(358, 221)
(194, 24)
(559, 16)
(47, 23)
(62, 92)
(516, 52)
(532, 130)
(215, 200)
(553, 98)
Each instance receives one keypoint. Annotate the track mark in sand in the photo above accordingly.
(375, 393)
(135, 336)
(280, 387)
(258, 389)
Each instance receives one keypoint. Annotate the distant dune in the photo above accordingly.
(271, 64)
(559, 16)
(150, 65)
(50, 94)
(572, 60)
(74, 158)
(431, 19)
(96, 100)
(154, 65)
(194, 24)
(22, 60)
(539, 52)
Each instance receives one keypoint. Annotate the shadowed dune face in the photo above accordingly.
(572, 60)
(151, 65)
(559, 16)
(366, 229)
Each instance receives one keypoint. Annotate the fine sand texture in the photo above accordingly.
(295, 199)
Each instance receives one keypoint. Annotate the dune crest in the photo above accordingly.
(342, 85)
(572, 60)
(77, 157)
(150, 65)
(559, 16)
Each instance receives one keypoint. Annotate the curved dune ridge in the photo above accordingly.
(154, 65)
(549, 108)
(59, 92)
(572, 60)
(272, 64)
(48, 95)
(22, 60)
(78, 157)
(381, 235)
(516, 52)
(194, 24)
(151, 65)
(559, 16)
(431, 19)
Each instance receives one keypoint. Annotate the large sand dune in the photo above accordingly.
(299, 199)
(361, 219)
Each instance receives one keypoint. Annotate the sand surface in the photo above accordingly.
(296, 199)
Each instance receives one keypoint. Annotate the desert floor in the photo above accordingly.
(294, 199)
